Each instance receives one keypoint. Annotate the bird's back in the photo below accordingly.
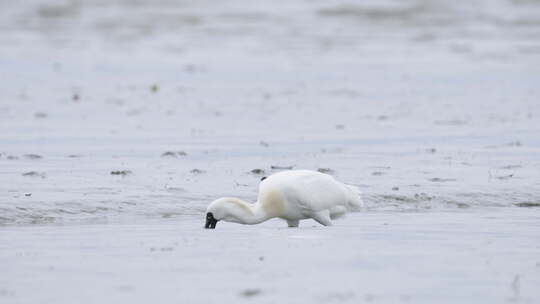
(301, 192)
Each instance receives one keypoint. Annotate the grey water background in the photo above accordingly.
(422, 104)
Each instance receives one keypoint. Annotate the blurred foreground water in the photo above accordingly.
(423, 104)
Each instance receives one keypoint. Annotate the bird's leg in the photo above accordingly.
(293, 223)
(322, 217)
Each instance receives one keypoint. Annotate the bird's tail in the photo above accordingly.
(354, 201)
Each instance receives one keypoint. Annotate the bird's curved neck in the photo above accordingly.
(253, 214)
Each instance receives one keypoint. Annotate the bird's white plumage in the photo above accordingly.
(292, 195)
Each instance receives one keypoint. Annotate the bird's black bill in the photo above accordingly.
(210, 221)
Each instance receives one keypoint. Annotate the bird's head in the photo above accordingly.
(228, 209)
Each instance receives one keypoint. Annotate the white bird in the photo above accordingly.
(292, 195)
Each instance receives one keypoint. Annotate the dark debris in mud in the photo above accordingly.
(423, 196)
(325, 170)
(197, 171)
(401, 198)
(248, 293)
(528, 204)
(121, 172)
(441, 180)
(174, 154)
(276, 167)
(257, 171)
(34, 174)
(32, 156)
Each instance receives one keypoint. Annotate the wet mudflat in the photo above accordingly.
(116, 109)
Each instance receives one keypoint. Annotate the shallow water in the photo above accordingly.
(487, 256)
